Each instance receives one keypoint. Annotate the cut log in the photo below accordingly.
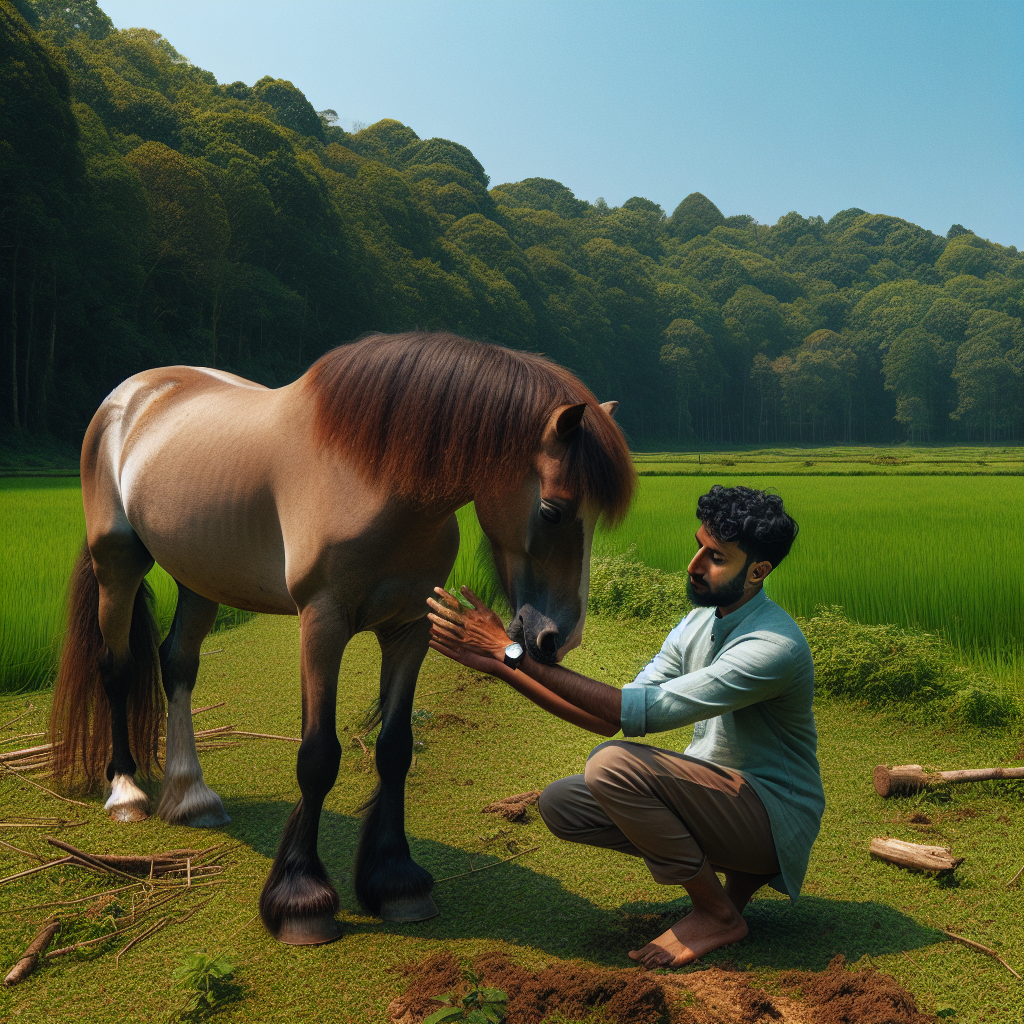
(914, 856)
(25, 966)
(909, 778)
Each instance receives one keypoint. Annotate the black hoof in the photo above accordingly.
(406, 911)
(305, 931)
(299, 908)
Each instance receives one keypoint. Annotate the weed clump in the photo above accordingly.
(625, 588)
(885, 665)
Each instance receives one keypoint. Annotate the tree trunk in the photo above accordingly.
(909, 778)
(14, 341)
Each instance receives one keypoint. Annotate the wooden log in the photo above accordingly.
(914, 856)
(26, 965)
(903, 779)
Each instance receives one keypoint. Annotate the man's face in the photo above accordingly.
(718, 572)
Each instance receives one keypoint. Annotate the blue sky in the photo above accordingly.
(912, 109)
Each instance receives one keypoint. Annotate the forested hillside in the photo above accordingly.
(149, 215)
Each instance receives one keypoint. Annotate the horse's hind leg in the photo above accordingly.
(185, 799)
(298, 902)
(121, 562)
(388, 881)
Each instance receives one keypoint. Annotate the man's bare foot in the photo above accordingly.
(687, 940)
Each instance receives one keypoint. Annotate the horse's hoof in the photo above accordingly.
(127, 812)
(126, 801)
(212, 819)
(190, 802)
(405, 911)
(308, 931)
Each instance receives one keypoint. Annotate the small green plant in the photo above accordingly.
(477, 1006)
(209, 983)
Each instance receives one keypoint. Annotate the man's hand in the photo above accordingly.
(457, 631)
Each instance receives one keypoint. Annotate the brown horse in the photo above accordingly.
(333, 499)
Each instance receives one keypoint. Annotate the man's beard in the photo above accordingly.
(720, 597)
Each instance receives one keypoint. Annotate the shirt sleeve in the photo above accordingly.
(752, 670)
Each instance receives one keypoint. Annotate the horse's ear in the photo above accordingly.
(564, 420)
(610, 408)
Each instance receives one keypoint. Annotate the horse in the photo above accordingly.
(332, 498)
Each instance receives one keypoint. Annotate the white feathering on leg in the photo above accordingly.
(185, 799)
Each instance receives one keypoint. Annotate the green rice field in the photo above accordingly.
(43, 526)
(938, 553)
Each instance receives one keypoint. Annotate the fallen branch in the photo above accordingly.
(982, 949)
(26, 821)
(13, 755)
(154, 865)
(914, 856)
(903, 779)
(22, 736)
(26, 965)
(476, 871)
(267, 736)
(1015, 877)
(219, 650)
(38, 868)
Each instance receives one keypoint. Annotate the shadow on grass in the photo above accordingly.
(517, 905)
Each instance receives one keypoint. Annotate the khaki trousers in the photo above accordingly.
(674, 811)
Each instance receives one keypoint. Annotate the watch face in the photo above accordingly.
(514, 651)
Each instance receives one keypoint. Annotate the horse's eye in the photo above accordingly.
(550, 513)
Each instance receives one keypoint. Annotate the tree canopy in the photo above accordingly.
(152, 215)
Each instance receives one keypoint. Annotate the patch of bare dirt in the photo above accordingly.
(714, 995)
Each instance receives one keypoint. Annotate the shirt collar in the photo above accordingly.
(723, 626)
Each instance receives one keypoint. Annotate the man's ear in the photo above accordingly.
(759, 571)
(610, 408)
(564, 420)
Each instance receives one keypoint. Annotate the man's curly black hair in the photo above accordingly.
(756, 520)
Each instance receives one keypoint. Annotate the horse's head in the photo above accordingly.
(541, 534)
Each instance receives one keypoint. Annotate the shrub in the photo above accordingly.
(625, 588)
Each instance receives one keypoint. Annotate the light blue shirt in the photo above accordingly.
(747, 681)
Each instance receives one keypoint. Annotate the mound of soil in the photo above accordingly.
(855, 997)
(715, 995)
(513, 808)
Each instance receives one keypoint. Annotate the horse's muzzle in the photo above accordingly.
(537, 633)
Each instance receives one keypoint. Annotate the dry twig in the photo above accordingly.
(476, 871)
(208, 707)
(982, 949)
(38, 868)
(32, 782)
(267, 736)
(1015, 877)
(17, 718)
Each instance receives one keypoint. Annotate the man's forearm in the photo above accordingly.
(596, 698)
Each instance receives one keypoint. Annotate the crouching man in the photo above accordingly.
(744, 799)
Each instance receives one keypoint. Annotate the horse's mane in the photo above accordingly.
(436, 416)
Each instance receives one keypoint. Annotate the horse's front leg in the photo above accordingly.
(388, 882)
(298, 902)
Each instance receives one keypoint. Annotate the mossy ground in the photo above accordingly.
(481, 742)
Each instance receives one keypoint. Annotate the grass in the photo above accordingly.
(901, 460)
(929, 553)
(43, 522)
(478, 741)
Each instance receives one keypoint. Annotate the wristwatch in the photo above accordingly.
(514, 654)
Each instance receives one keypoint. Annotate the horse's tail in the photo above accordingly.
(80, 715)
